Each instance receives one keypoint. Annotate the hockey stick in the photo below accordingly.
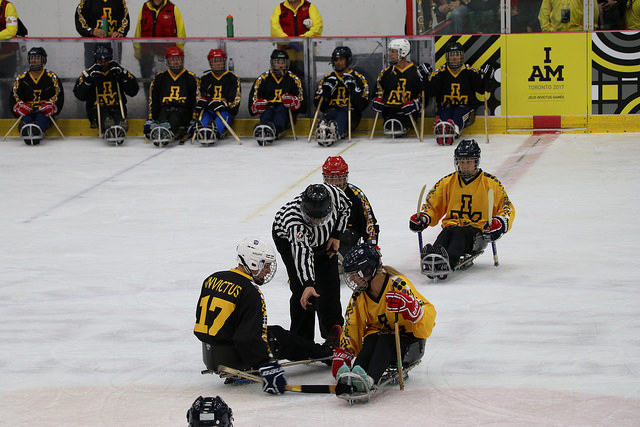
(375, 120)
(98, 111)
(228, 126)
(486, 118)
(193, 137)
(304, 388)
(489, 216)
(57, 127)
(424, 105)
(399, 354)
(415, 127)
(283, 364)
(349, 116)
(424, 187)
(293, 127)
(12, 127)
(315, 117)
(120, 101)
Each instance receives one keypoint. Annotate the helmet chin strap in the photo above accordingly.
(246, 267)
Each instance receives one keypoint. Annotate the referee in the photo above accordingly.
(306, 232)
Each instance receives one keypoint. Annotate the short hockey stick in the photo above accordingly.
(57, 127)
(293, 127)
(399, 354)
(195, 131)
(349, 116)
(415, 127)
(283, 364)
(304, 388)
(424, 105)
(98, 111)
(120, 101)
(12, 127)
(489, 216)
(486, 117)
(373, 128)
(424, 187)
(315, 117)
(224, 122)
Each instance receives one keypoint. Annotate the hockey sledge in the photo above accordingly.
(394, 128)
(115, 135)
(31, 133)
(435, 266)
(357, 389)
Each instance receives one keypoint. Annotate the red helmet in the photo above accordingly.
(216, 53)
(335, 171)
(173, 51)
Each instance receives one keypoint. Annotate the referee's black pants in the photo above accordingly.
(327, 305)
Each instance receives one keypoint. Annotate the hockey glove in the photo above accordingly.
(377, 105)
(48, 109)
(410, 107)
(22, 109)
(329, 86)
(487, 75)
(340, 357)
(424, 71)
(496, 227)
(291, 101)
(117, 71)
(259, 106)
(217, 105)
(273, 379)
(147, 127)
(419, 222)
(408, 306)
(201, 104)
(350, 84)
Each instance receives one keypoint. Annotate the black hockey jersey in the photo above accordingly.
(455, 87)
(223, 87)
(362, 220)
(231, 311)
(396, 86)
(90, 12)
(36, 91)
(179, 90)
(268, 86)
(107, 87)
(359, 99)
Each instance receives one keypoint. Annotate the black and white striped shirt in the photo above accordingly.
(304, 238)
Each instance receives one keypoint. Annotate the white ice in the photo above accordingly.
(104, 249)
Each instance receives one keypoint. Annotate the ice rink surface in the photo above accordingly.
(104, 250)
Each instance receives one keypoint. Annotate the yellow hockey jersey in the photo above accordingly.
(465, 203)
(366, 316)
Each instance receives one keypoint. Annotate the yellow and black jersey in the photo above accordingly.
(107, 86)
(231, 311)
(339, 99)
(397, 85)
(179, 90)
(89, 15)
(465, 203)
(268, 86)
(37, 90)
(362, 220)
(366, 315)
(225, 87)
(461, 87)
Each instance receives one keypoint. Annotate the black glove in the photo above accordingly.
(351, 84)
(193, 126)
(487, 76)
(273, 379)
(496, 227)
(329, 86)
(147, 127)
(201, 104)
(217, 105)
(117, 71)
(424, 71)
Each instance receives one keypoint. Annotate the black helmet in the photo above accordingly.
(210, 411)
(363, 259)
(341, 52)
(467, 149)
(37, 52)
(316, 204)
(279, 54)
(454, 54)
(103, 52)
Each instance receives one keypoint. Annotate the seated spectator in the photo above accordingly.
(632, 15)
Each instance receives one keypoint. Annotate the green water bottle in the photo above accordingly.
(104, 25)
(229, 26)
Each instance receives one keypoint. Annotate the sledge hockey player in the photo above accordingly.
(338, 91)
(307, 233)
(275, 94)
(38, 95)
(172, 101)
(104, 86)
(381, 297)
(219, 94)
(461, 201)
(362, 222)
(455, 86)
(399, 89)
(231, 320)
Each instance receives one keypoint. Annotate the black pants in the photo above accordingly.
(457, 241)
(379, 351)
(177, 117)
(283, 344)
(327, 306)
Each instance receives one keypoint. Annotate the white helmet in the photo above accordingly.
(258, 258)
(402, 46)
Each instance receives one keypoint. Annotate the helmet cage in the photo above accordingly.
(467, 149)
(335, 171)
(341, 52)
(217, 60)
(37, 52)
(360, 264)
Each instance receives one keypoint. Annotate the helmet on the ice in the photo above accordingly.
(454, 55)
(316, 204)
(360, 264)
(335, 171)
(341, 52)
(258, 258)
(467, 158)
(37, 58)
(210, 411)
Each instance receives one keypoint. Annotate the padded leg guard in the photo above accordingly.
(31, 133)
(115, 135)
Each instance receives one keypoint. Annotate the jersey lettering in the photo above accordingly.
(174, 96)
(37, 100)
(455, 98)
(397, 96)
(108, 96)
(221, 310)
(217, 92)
(466, 209)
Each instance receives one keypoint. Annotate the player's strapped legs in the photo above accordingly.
(178, 118)
(327, 133)
(219, 127)
(341, 117)
(444, 131)
(287, 345)
(205, 131)
(457, 241)
(114, 126)
(217, 354)
(379, 351)
(278, 115)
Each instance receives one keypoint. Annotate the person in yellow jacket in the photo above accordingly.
(381, 297)
(461, 201)
(631, 18)
(562, 15)
(8, 53)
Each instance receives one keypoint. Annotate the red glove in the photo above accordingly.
(419, 222)
(259, 106)
(496, 227)
(22, 108)
(377, 105)
(340, 357)
(291, 101)
(408, 306)
(48, 109)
